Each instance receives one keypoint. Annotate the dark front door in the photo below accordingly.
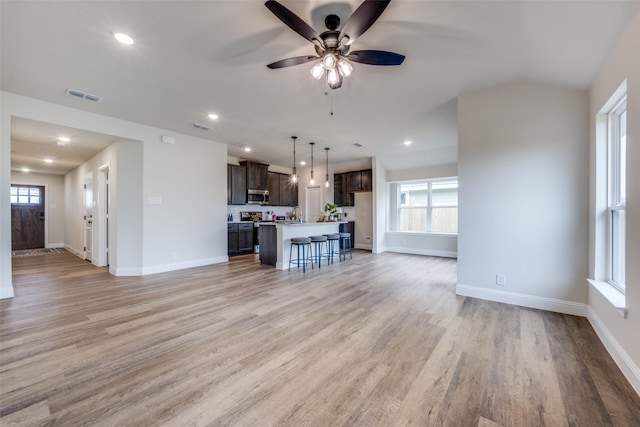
(27, 217)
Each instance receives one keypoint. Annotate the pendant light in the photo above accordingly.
(326, 182)
(312, 181)
(294, 176)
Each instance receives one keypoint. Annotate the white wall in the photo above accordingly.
(379, 176)
(54, 204)
(619, 334)
(189, 177)
(523, 195)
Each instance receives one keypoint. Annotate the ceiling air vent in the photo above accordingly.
(84, 95)
(201, 126)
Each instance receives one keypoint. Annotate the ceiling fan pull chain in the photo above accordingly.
(331, 104)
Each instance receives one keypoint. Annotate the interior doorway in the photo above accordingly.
(27, 217)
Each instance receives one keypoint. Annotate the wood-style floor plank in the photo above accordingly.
(380, 340)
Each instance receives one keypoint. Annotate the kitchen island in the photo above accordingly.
(275, 239)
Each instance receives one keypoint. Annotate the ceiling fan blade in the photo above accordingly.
(292, 61)
(376, 57)
(294, 22)
(360, 20)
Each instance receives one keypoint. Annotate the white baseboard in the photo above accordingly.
(74, 251)
(524, 300)
(55, 245)
(181, 265)
(429, 252)
(622, 359)
(6, 292)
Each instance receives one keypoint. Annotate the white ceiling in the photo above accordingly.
(196, 57)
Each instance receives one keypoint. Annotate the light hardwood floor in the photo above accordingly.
(380, 340)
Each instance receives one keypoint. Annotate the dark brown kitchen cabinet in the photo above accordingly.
(366, 179)
(236, 185)
(268, 244)
(274, 188)
(288, 191)
(340, 195)
(359, 181)
(348, 227)
(282, 192)
(245, 238)
(239, 239)
(257, 175)
(232, 239)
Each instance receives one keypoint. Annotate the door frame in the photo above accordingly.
(307, 201)
(88, 204)
(103, 217)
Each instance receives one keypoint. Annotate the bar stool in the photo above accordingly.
(333, 243)
(345, 246)
(300, 242)
(318, 242)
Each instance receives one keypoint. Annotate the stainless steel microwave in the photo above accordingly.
(258, 197)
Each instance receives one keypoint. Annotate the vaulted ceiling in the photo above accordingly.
(192, 58)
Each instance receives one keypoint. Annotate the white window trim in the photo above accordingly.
(613, 185)
(429, 208)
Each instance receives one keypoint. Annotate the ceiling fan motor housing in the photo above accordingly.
(332, 22)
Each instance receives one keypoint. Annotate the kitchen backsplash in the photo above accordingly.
(282, 211)
(235, 210)
(350, 212)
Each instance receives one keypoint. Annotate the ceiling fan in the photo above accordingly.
(332, 46)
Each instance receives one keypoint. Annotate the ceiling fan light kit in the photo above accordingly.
(332, 46)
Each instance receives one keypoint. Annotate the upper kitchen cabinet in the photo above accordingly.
(257, 175)
(340, 195)
(359, 181)
(288, 191)
(347, 183)
(236, 185)
(274, 188)
(282, 192)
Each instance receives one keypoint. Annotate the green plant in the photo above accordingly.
(331, 210)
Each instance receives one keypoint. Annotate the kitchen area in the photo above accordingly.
(262, 196)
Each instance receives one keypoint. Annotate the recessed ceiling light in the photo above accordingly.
(48, 160)
(302, 162)
(247, 149)
(407, 143)
(63, 139)
(213, 116)
(123, 38)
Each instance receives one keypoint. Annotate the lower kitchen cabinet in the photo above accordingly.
(349, 227)
(268, 245)
(240, 239)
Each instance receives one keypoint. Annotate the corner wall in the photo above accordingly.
(523, 195)
(618, 333)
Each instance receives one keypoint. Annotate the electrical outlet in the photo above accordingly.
(501, 279)
(174, 255)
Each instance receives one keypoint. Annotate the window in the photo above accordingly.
(24, 195)
(617, 193)
(429, 206)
